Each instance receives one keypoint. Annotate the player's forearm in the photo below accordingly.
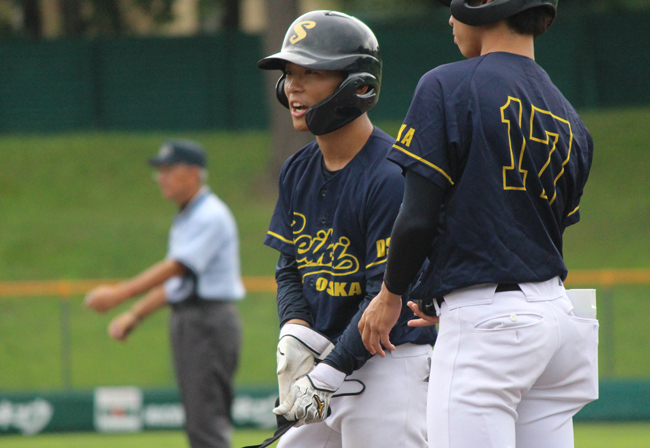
(292, 305)
(150, 303)
(154, 276)
(350, 354)
(413, 232)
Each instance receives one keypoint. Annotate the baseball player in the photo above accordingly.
(496, 160)
(338, 198)
(200, 280)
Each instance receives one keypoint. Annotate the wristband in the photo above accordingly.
(313, 340)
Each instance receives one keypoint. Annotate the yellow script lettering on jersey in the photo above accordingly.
(320, 253)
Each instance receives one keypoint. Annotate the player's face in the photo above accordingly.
(177, 182)
(466, 37)
(306, 87)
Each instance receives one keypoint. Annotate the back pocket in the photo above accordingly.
(511, 321)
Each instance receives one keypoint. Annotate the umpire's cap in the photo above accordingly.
(180, 151)
(495, 10)
(330, 40)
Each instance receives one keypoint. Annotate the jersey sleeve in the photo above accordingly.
(280, 235)
(573, 207)
(199, 244)
(349, 353)
(422, 141)
(290, 298)
(382, 206)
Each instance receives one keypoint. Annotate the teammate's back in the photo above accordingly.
(517, 156)
(495, 163)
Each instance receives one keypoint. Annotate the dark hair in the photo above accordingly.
(533, 21)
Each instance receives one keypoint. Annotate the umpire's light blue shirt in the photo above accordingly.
(204, 239)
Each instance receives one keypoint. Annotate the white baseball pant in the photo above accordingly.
(390, 413)
(510, 369)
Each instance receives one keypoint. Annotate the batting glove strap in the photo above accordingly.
(313, 340)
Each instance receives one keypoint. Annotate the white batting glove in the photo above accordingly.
(309, 398)
(298, 349)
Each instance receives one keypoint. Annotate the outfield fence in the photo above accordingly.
(604, 280)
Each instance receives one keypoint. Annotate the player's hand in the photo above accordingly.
(103, 298)
(424, 319)
(309, 398)
(297, 350)
(122, 325)
(378, 319)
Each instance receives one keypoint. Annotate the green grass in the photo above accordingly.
(612, 435)
(591, 435)
(85, 206)
(615, 210)
(154, 439)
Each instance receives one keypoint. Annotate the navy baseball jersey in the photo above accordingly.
(338, 229)
(513, 157)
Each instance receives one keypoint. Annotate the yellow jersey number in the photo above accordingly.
(522, 133)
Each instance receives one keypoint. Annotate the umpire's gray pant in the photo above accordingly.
(206, 338)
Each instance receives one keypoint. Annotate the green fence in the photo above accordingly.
(130, 409)
(211, 82)
(120, 409)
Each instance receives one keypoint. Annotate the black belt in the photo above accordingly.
(501, 287)
(194, 301)
(504, 287)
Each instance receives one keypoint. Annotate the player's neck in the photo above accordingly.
(500, 38)
(340, 147)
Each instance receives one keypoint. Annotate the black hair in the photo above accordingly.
(533, 21)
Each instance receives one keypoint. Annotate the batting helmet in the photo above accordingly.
(494, 11)
(329, 40)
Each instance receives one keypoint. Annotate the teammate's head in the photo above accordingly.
(322, 42)
(528, 17)
(180, 169)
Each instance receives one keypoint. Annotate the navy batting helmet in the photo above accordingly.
(330, 40)
(494, 11)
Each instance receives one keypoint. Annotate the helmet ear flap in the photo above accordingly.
(280, 93)
(344, 105)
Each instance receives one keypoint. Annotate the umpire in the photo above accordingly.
(200, 279)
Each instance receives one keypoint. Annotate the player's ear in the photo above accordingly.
(363, 89)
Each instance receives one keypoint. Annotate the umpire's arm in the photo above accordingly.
(151, 281)
(106, 297)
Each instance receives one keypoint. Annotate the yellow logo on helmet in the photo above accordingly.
(300, 30)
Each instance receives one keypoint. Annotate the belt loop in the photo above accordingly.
(437, 303)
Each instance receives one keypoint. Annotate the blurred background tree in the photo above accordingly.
(64, 18)
(71, 18)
